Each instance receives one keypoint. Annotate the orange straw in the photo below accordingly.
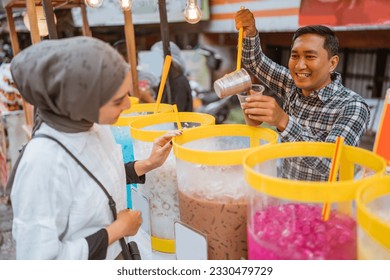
(177, 117)
(167, 65)
(333, 173)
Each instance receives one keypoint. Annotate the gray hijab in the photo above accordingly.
(68, 80)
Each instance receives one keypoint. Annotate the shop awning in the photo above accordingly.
(271, 15)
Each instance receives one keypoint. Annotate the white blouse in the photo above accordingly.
(56, 204)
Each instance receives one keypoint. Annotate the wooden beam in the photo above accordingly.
(131, 50)
(27, 108)
(50, 21)
(58, 4)
(12, 32)
(35, 38)
(165, 38)
(86, 29)
(33, 19)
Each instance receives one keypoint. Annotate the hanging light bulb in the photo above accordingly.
(192, 13)
(126, 4)
(42, 24)
(94, 3)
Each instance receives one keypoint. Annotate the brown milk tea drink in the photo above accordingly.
(161, 183)
(223, 221)
(212, 190)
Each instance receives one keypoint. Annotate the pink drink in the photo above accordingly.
(296, 231)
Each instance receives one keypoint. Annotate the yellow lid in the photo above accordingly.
(308, 191)
(138, 110)
(137, 131)
(133, 100)
(225, 157)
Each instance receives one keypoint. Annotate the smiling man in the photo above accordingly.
(316, 107)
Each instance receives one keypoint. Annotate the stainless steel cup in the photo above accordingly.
(233, 83)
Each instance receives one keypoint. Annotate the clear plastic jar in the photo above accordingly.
(212, 190)
(285, 218)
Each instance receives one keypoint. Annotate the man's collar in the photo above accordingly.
(326, 92)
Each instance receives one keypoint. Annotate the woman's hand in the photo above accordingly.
(161, 149)
(126, 224)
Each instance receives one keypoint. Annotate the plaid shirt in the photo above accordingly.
(331, 111)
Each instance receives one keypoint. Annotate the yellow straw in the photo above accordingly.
(333, 173)
(167, 65)
(239, 52)
(177, 117)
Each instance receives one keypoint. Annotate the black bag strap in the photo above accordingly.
(111, 202)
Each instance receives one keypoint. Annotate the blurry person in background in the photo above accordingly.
(316, 107)
(181, 92)
(147, 81)
(5, 52)
(147, 86)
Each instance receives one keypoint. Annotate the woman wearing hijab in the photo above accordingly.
(77, 85)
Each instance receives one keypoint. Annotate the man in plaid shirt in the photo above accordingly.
(316, 107)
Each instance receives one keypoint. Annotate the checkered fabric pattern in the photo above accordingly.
(322, 116)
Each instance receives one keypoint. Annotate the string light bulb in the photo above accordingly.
(94, 3)
(192, 13)
(42, 24)
(126, 4)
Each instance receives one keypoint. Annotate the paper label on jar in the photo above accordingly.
(142, 204)
(190, 243)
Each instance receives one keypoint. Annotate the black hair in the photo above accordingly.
(331, 43)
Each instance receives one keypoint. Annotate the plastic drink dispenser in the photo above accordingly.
(373, 216)
(285, 215)
(212, 189)
(161, 183)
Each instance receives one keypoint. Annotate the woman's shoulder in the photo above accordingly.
(43, 153)
(43, 149)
